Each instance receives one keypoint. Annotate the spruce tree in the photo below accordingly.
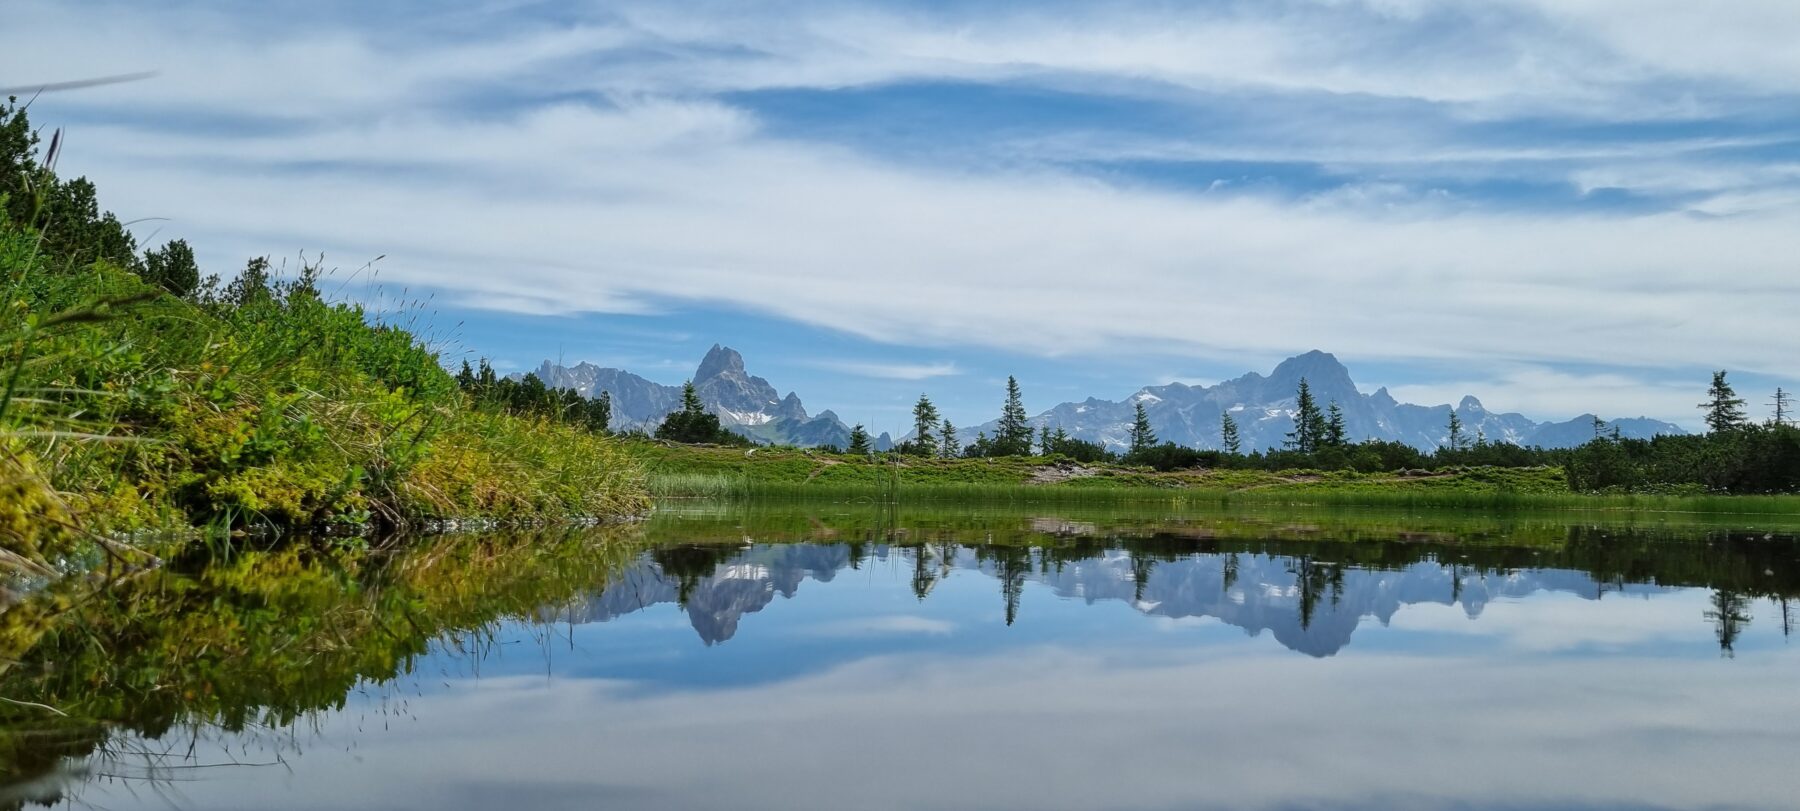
(1142, 437)
(1013, 436)
(925, 419)
(859, 442)
(599, 412)
(1334, 427)
(1228, 434)
(947, 441)
(1309, 422)
(1043, 440)
(693, 424)
(1724, 409)
(172, 267)
(1455, 431)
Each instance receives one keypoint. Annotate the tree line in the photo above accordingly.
(1735, 455)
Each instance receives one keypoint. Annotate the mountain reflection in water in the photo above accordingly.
(1309, 602)
(1106, 661)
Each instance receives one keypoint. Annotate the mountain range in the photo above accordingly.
(744, 403)
(1263, 407)
(1314, 615)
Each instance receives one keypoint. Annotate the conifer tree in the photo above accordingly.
(925, 419)
(599, 412)
(1724, 409)
(172, 267)
(1043, 440)
(947, 439)
(1228, 434)
(1142, 437)
(859, 441)
(1013, 436)
(1455, 431)
(1334, 427)
(693, 423)
(1309, 422)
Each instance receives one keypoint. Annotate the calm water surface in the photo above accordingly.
(832, 658)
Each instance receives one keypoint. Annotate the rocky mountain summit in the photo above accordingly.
(743, 402)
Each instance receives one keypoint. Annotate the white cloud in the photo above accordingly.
(898, 624)
(1192, 729)
(890, 371)
(635, 187)
(1545, 393)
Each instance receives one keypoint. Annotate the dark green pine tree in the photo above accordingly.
(1456, 433)
(597, 415)
(925, 420)
(1142, 437)
(859, 442)
(1013, 436)
(172, 266)
(1309, 422)
(947, 447)
(1228, 434)
(1724, 409)
(1335, 436)
(693, 424)
(1044, 440)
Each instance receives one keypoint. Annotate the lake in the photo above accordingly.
(833, 656)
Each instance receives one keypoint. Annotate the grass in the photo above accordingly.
(126, 409)
(689, 472)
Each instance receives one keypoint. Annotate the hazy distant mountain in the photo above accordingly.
(1264, 410)
(744, 403)
(1183, 414)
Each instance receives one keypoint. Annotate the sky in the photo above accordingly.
(1558, 206)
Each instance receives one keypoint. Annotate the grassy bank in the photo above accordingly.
(677, 472)
(271, 407)
(256, 403)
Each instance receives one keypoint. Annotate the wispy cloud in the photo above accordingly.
(611, 162)
(1545, 393)
(889, 371)
(898, 624)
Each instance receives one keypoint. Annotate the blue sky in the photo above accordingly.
(1556, 205)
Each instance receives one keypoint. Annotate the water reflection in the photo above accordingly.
(1310, 596)
(1307, 604)
(803, 660)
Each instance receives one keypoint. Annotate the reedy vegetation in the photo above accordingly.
(255, 402)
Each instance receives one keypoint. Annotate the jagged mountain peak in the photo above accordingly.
(1321, 370)
(1470, 404)
(743, 402)
(720, 360)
